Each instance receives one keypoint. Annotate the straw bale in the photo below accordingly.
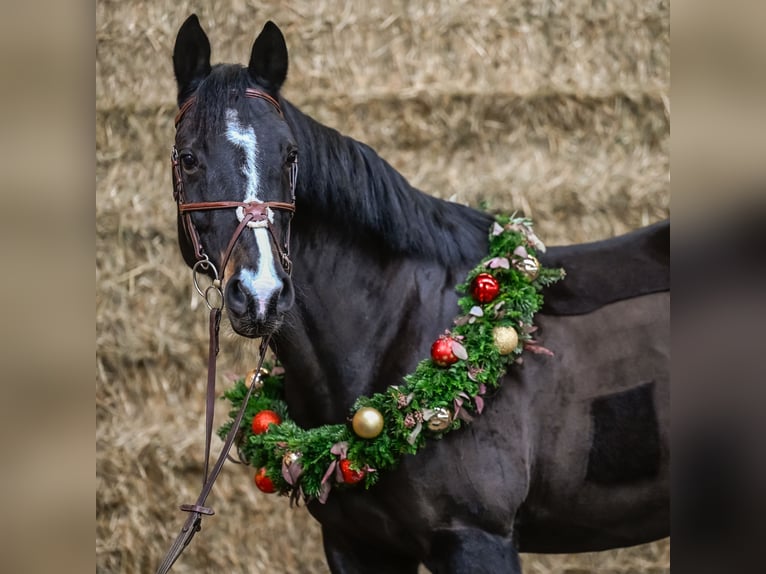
(558, 109)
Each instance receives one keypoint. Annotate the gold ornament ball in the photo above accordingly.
(367, 422)
(506, 339)
(290, 457)
(441, 419)
(254, 376)
(530, 267)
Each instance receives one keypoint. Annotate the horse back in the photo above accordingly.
(603, 272)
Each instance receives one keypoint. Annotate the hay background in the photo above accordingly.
(556, 108)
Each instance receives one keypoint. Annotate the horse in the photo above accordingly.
(355, 283)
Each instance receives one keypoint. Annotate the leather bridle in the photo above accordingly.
(250, 214)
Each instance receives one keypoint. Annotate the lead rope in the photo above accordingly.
(197, 510)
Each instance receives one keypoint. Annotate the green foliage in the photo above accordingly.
(405, 407)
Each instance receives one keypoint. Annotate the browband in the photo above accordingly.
(249, 93)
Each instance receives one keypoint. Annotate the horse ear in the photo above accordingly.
(268, 60)
(191, 57)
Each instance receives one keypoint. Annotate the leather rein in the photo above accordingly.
(252, 214)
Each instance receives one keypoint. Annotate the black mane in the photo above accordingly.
(348, 182)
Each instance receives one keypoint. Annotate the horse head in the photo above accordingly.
(234, 168)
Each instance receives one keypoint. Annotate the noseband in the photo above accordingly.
(250, 213)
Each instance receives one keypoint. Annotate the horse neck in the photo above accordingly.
(372, 290)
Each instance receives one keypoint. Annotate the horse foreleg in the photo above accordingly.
(472, 550)
(345, 556)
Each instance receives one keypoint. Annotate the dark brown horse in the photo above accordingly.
(571, 453)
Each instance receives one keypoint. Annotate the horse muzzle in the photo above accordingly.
(256, 305)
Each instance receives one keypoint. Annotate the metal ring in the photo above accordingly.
(218, 293)
(204, 265)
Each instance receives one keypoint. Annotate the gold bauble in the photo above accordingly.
(506, 339)
(529, 267)
(367, 422)
(290, 457)
(255, 376)
(440, 420)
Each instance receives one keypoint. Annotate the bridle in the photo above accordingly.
(252, 214)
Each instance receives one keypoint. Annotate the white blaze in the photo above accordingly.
(263, 282)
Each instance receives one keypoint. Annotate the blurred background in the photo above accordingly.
(560, 110)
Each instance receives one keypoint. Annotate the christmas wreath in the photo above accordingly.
(500, 298)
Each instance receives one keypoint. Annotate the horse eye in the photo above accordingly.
(188, 161)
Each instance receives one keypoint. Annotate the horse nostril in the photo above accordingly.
(286, 297)
(236, 297)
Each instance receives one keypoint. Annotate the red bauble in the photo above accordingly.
(263, 482)
(442, 353)
(350, 476)
(484, 288)
(263, 419)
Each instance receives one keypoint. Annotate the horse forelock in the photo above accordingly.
(222, 89)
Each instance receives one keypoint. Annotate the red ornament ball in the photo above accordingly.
(441, 351)
(350, 476)
(263, 419)
(484, 288)
(263, 482)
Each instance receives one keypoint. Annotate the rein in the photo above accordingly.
(251, 214)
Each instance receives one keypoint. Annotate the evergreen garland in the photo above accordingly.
(431, 401)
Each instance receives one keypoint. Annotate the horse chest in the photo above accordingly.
(475, 477)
